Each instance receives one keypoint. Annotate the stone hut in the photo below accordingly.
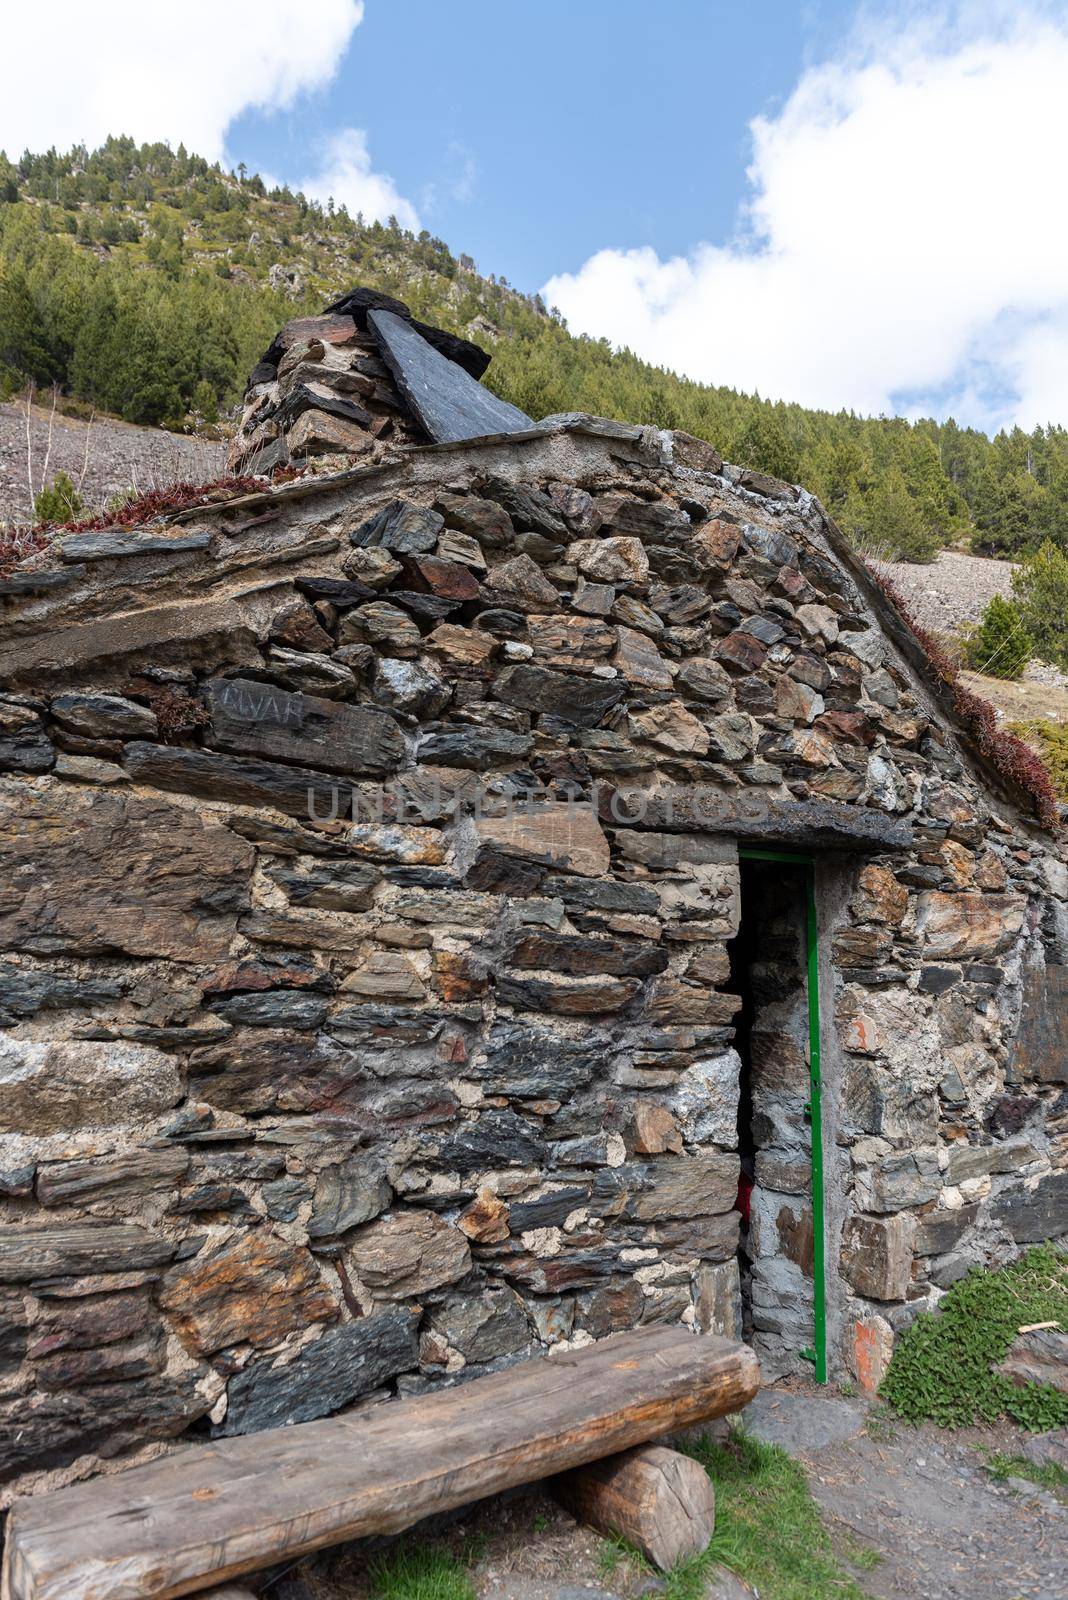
(503, 890)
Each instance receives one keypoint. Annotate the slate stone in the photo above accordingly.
(24, 991)
(241, 779)
(334, 886)
(22, 583)
(940, 1231)
(826, 824)
(338, 1367)
(685, 1187)
(116, 544)
(26, 749)
(104, 716)
(50, 1430)
(531, 1064)
(564, 836)
(777, 548)
(423, 605)
(257, 719)
(476, 748)
(547, 1210)
(253, 1290)
(108, 1178)
(114, 872)
(448, 402)
(403, 1256)
(303, 397)
(1040, 1051)
(64, 1250)
(347, 1194)
(494, 872)
(279, 1008)
(284, 1197)
(530, 509)
(581, 701)
(339, 591)
(561, 952)
(583, 997)
(624, 899)
(1032, 1216)
(484, 1327)
(495, 1139)
(876, 1255)
(358, 302)
(401, 527)
(254, 1072)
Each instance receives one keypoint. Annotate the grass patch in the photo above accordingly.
(1048, 1475)
(1051, 741)
(942, 1367)
(768, 1528)
(420, 1572)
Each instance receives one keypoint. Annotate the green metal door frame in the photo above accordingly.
(818, 1354)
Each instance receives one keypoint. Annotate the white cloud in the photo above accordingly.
(83, 69)
(345, 173)
(906, 243)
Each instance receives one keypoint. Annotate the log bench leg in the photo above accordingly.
(660, 1501)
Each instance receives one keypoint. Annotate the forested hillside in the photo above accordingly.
(146, 282)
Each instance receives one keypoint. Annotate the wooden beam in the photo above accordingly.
(660, 1501)
(212, 1512)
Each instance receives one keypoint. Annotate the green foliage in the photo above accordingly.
(1000, 645)
(136, 277)
(412, 1571)
(1051, 739)
(1048, 1475)
(942, 1367)
(891, 523)
(1040, 588)
(768, 1528)
(762, 443)
(59, 501)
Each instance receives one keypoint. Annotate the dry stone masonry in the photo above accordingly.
(370, 901)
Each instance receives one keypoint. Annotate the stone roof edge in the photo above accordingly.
(652, 447)
(899, 630)
(646, 438)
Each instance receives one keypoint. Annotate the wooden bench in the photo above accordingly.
(211, 1512)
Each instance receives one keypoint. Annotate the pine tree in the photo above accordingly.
(1008, 508)
(1040, 588)
(894, 523)
(762, 444)
(1000, 645)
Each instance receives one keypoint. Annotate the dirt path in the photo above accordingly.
(923, 1499)
(120, 456)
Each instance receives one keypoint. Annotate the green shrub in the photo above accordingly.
(1040, 588)
(59, 502)
(942, 1367)
(892, 524)
(1052, 741)
(1000, 646)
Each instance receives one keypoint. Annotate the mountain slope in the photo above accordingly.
(146, 282)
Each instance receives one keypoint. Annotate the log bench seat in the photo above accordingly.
(211, 1512)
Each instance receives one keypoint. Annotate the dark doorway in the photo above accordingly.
(769, 972)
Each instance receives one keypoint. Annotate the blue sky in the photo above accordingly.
(846, 205)
(532, 136)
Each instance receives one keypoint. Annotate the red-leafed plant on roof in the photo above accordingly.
(148, 507)
(1016, 762)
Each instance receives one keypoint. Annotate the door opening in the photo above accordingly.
(774, 970)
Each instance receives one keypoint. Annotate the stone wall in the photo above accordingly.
(300, 1108)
